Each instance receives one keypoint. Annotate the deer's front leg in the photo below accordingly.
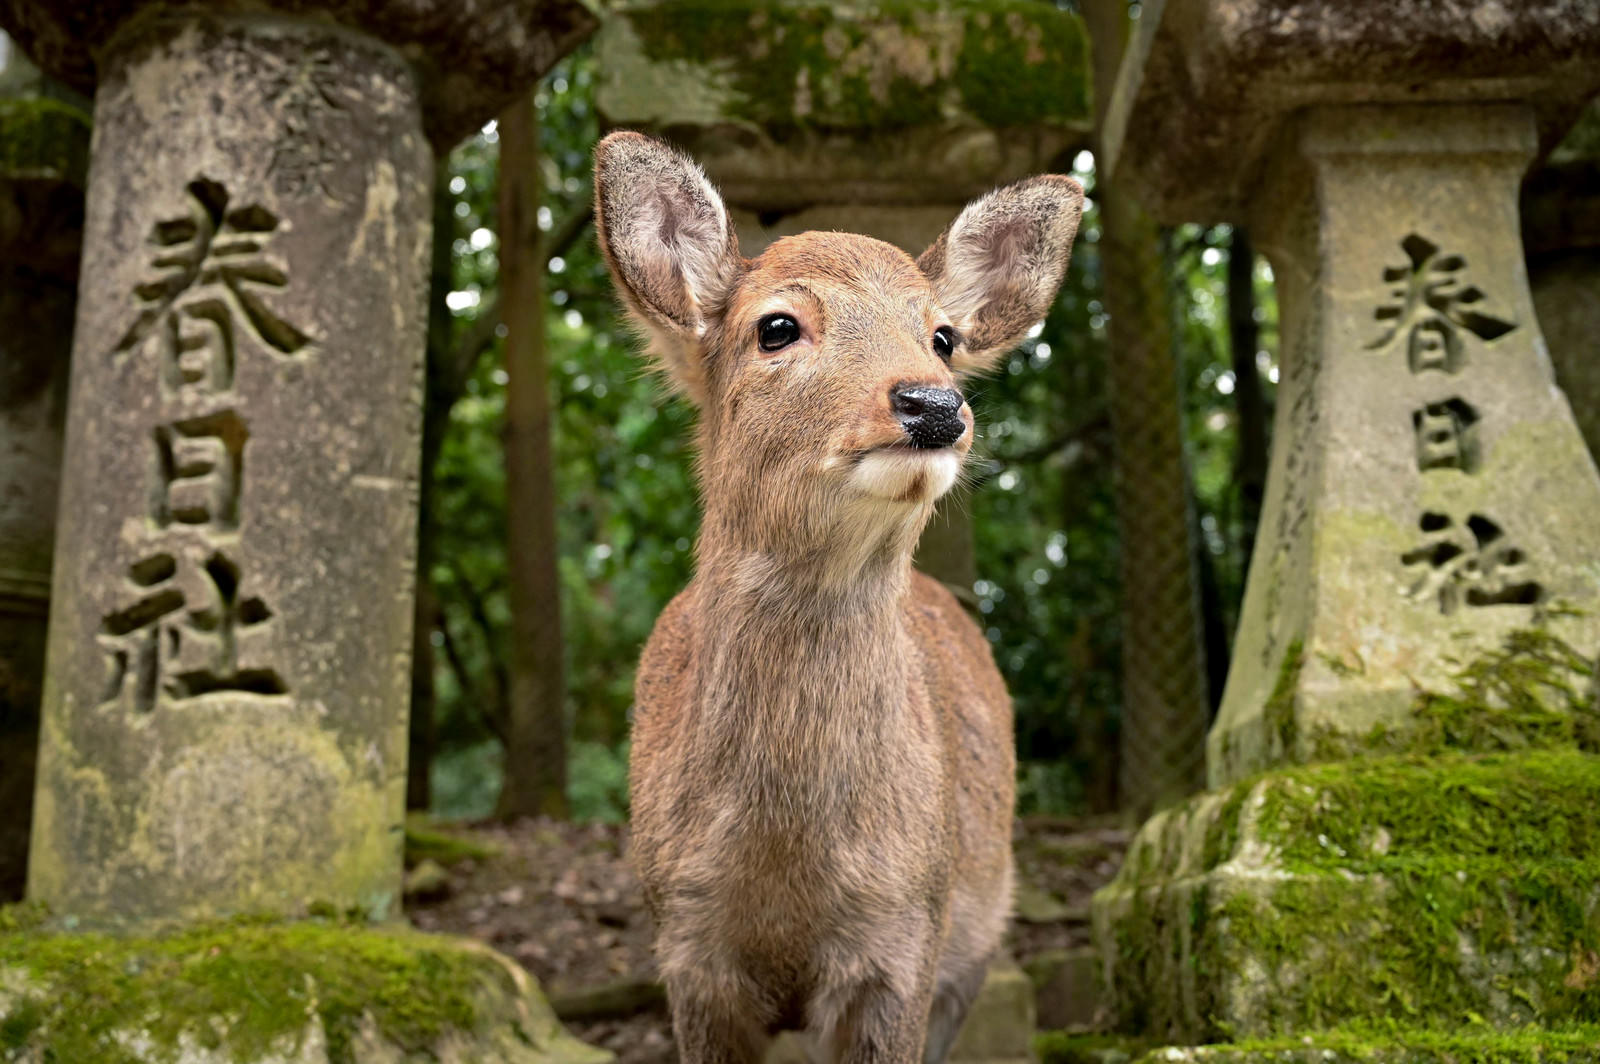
(875, 1007)
(714, 1031)
(881, 1026)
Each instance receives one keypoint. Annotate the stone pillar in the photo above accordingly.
(44, 150)
(1405, 761)
(1429, 493)
(224, 707)
(858, 117)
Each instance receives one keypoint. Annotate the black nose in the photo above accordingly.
(931, 416)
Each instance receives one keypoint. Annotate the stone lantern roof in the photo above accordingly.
(474, 56)
(1207, 84)
(797, 104)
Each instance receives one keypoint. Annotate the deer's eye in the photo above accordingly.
(777, 331)
(944, 342)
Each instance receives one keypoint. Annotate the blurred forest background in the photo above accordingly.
(621, 486)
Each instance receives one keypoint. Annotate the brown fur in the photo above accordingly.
(822, 765)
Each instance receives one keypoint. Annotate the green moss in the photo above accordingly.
(1377, 1040)
(245, 985)
(1066, 1047)
(1017, 68)
(1427, 890)
(1222, 832)
(1364, 816)
(1279, 712)
(1534, 690)
(43, 138)
(890, 64)
(1430, 945)
(427, 841)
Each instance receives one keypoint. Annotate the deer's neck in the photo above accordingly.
(800, 678)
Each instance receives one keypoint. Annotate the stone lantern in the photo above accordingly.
(1404, 763)
(224, 707)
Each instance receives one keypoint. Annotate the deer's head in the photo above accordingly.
(827, 371)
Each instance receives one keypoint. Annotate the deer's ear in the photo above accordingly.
(670, 246)
(997, 268)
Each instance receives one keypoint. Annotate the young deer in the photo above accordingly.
(822, 762)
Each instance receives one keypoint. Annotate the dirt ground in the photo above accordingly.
(562, 900)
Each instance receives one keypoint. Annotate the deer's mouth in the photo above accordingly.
(899, 472)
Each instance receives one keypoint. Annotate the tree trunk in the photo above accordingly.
(536, 754)
(437, 401)
(1250, 472)
(1164, 704)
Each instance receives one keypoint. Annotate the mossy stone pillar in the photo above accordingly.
(44, 150)
(225, 700)
(1429, 493)
(1404, 765)
(865, 117)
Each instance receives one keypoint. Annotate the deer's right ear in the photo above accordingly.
(669, 243)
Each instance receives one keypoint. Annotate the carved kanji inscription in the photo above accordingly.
(189, 632)
(1447, 436)
(197, 472)
(1431, 307)
(1469, 563)
(212, 264)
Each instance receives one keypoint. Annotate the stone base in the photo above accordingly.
(312, 992)
(1443, 891)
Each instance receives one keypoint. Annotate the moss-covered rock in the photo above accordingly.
(1431, 890)
(317, 991)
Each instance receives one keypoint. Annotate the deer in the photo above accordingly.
(822, 768)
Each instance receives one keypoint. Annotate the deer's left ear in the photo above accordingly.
(997, 268)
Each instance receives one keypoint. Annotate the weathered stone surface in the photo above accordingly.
(1429, 494)
(1208, 85)
(253, 993)
(801, 103)
(473, 56)
(43, 154)
(224, 717)
(1425, 891)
